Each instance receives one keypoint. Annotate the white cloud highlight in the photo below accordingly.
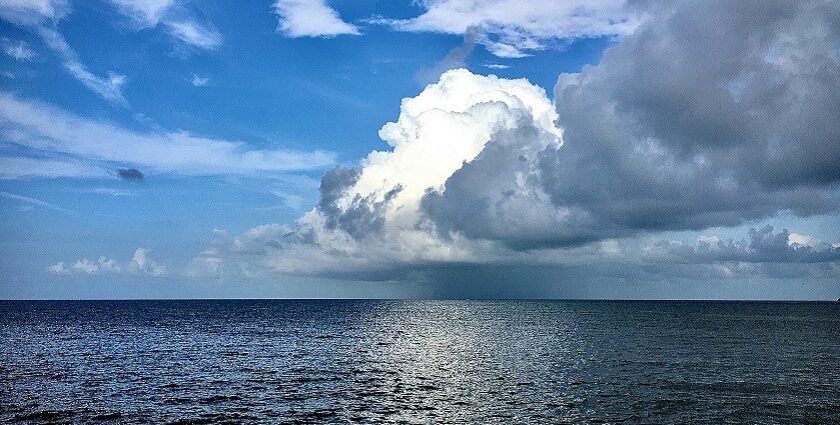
(310, 18)
(803, 240)
(371, 218)
(142, 262)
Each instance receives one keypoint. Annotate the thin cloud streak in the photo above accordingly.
(110, 87)
(42, 18)
(173, 16)
(513, 28)
(44, 128)
(32, 201)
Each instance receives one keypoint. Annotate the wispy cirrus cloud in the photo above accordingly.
(51, 134)
(42, 17)
(200, 81)
(24, 167)
(174, 16)
(109, 87)
(18, 49)
(310, 18)
(109, 191)
(31, 201)
(33, 12)
(513, 28)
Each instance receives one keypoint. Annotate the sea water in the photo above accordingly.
(365, 361)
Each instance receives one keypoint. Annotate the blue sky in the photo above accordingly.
(233, 113)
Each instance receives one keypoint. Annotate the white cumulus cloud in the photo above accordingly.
(141, 263)
(372, 217)
(310, 18)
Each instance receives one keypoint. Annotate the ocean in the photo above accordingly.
(372, 361)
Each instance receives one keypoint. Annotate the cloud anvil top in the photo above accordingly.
(616, 149)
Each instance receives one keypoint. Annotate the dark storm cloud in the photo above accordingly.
(364, 216)
(496, 197)
(333, 185)
(763, 246)
(710, 114)
(130, 174)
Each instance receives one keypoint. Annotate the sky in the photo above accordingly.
(419, 149)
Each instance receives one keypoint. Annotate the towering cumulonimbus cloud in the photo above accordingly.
(683, 125)
(709, 114)
(375, 215)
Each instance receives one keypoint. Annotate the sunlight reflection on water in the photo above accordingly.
(419, 361)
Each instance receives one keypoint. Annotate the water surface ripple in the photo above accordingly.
(270, 361)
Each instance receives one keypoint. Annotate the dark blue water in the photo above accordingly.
(419, 362)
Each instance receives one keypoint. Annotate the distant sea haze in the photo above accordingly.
(365, 361)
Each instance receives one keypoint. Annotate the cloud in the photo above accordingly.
(21, 167)
(683, 126)
(763, 246)
(496, 66)
(372, 217)
(762, 254)
(512, 28)
(199, 81)
(110, 87)
(58, 269)
(32, 12)
(141, 263)
(174, 17)
(31, 201)
(802, 240)
(310, 18)
(192, 33)
(454, 59)
(118, 193)
(205, 267)
(18, 49)
(42, 17)
(48, 130)
(130, 174)
(658, 137)
(146, 13)
(707, 115)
